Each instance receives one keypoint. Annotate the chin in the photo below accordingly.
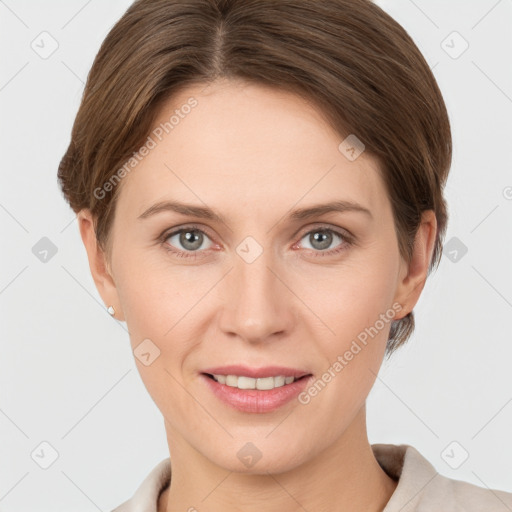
(258, 457)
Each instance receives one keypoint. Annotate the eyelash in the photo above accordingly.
(347, 241)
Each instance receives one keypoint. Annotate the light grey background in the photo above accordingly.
(67, 374)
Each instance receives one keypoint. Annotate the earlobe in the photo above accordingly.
(98, 263)
(414, 276)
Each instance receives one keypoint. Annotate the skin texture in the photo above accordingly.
(253, 154)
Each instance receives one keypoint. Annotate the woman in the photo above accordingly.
(259, 188)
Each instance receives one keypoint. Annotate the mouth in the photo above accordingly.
(248, 377)
(251, 390)
(255, 390)
(258, 383)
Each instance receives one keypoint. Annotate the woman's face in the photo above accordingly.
(265, 286)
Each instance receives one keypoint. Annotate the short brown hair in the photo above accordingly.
(348, 57)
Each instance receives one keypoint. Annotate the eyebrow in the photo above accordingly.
(298, 214)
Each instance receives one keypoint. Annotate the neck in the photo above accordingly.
(345, 476)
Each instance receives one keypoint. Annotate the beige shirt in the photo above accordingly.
(420, 487)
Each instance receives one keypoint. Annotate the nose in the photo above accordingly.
(259, 305)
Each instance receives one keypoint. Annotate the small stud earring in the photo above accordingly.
(111, 310)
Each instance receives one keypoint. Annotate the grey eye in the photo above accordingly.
(320, 239)
(188, 239)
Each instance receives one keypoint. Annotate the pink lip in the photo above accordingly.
(256, 400)
(267, 371)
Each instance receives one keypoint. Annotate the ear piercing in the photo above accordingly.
(111, 310)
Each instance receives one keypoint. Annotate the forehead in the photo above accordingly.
(247, 145)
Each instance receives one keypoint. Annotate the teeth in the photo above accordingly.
(220, 378)
(264, 383)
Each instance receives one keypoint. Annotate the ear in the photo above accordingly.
(414, 275)
(98, 264)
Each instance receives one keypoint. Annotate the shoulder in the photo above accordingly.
(469, 497)
(447, 494)
(145, 498)
(421, 488)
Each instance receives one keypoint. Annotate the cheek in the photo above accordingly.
(354, 303)
(153, 294)
(165, 304)
(350, 297)
(156, 302)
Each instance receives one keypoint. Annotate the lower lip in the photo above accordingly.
(256, 400)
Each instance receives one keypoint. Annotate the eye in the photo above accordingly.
(320, 239)
(186, 240)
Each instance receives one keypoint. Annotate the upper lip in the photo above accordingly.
(266, 371)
